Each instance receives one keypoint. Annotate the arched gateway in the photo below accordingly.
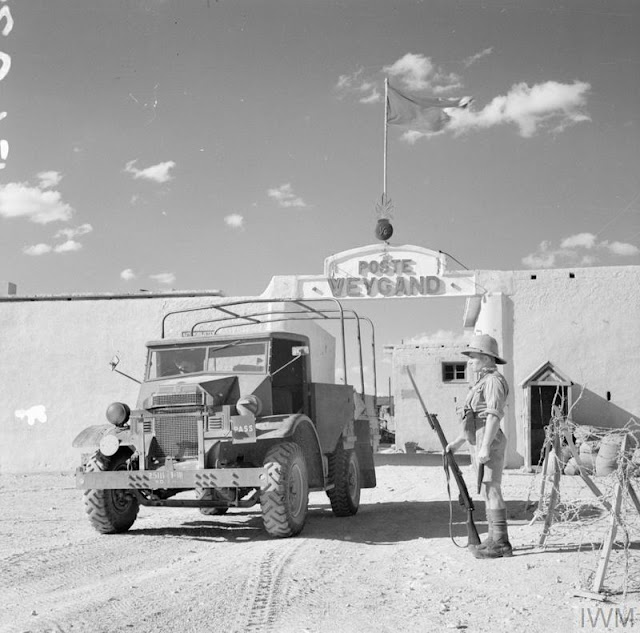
(582, 319)
(379, 272)
(384, 272)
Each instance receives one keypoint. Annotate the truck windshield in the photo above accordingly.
(223, 358)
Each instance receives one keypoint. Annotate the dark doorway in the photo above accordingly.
(288, 377)
(543, 399)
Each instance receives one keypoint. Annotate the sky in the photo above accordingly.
(208, 144)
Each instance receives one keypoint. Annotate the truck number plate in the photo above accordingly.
(164, 475)
(243, 433)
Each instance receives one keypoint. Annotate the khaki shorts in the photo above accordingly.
(494, 467)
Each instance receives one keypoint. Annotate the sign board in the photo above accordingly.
(385, 272)
(379, 271)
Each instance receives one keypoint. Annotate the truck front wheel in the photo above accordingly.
(110, 511)
(344, 474)
(285, 500)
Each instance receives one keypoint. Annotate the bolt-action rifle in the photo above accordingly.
(450, 464)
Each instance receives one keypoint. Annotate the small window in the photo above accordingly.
(454, 372)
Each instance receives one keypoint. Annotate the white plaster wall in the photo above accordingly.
(587, 326)
(425, 363)
(55, 355)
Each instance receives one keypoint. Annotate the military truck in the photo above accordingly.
(238, 419)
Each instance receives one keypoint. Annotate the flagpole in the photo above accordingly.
(384, 154)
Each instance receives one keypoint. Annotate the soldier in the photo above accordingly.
(483, 410)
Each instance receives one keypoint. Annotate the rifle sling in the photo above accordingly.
(445, 465)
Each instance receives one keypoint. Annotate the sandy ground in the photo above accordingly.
(390, 568)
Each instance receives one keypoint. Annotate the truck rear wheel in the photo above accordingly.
(344, 474)
(285, 500)
(110, 511)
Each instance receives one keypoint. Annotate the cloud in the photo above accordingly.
(19, 199)
(544, 257)
(529, 108)
(67, 247)
(548, 106)
(572, 251)
(156, 173)
(366, 90)
(37, 249)
(163, 278)
(69, 234)
(127, 274)
(412, 136)
(621, 248)
(373, 97)
(585, 240)
(346, 82)
(285, 197)
(474, 58)
(417, 72)
(234, 220)
(49, 179)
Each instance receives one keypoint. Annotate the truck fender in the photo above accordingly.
(91, 436)
(298, 428)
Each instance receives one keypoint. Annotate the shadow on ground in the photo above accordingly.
(375, 524)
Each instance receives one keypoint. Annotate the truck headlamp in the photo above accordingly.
(118, 413)
(109, 445)
(249, 404)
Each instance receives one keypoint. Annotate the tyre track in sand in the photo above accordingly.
(69, 583)
(260, 609)
(42, 589)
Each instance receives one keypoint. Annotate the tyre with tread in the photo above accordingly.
(344, 474)
(285, 500)
(110, 511)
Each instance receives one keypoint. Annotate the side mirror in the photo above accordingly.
(114, 362)
(301, 350)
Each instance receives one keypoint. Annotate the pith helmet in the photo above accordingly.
(484, 344)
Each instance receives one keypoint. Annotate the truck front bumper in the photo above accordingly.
(164, 479)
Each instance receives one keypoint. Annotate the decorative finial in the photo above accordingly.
(384, 211)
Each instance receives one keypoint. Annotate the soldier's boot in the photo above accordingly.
(489, 540)
(500, 546)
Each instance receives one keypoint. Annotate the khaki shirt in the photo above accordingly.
(488, 395)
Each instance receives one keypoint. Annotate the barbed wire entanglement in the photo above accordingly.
(585, 495)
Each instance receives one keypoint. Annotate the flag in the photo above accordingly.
(422, 114)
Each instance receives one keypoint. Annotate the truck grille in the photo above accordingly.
(176, 436)
(214, 424)
(177, 399)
